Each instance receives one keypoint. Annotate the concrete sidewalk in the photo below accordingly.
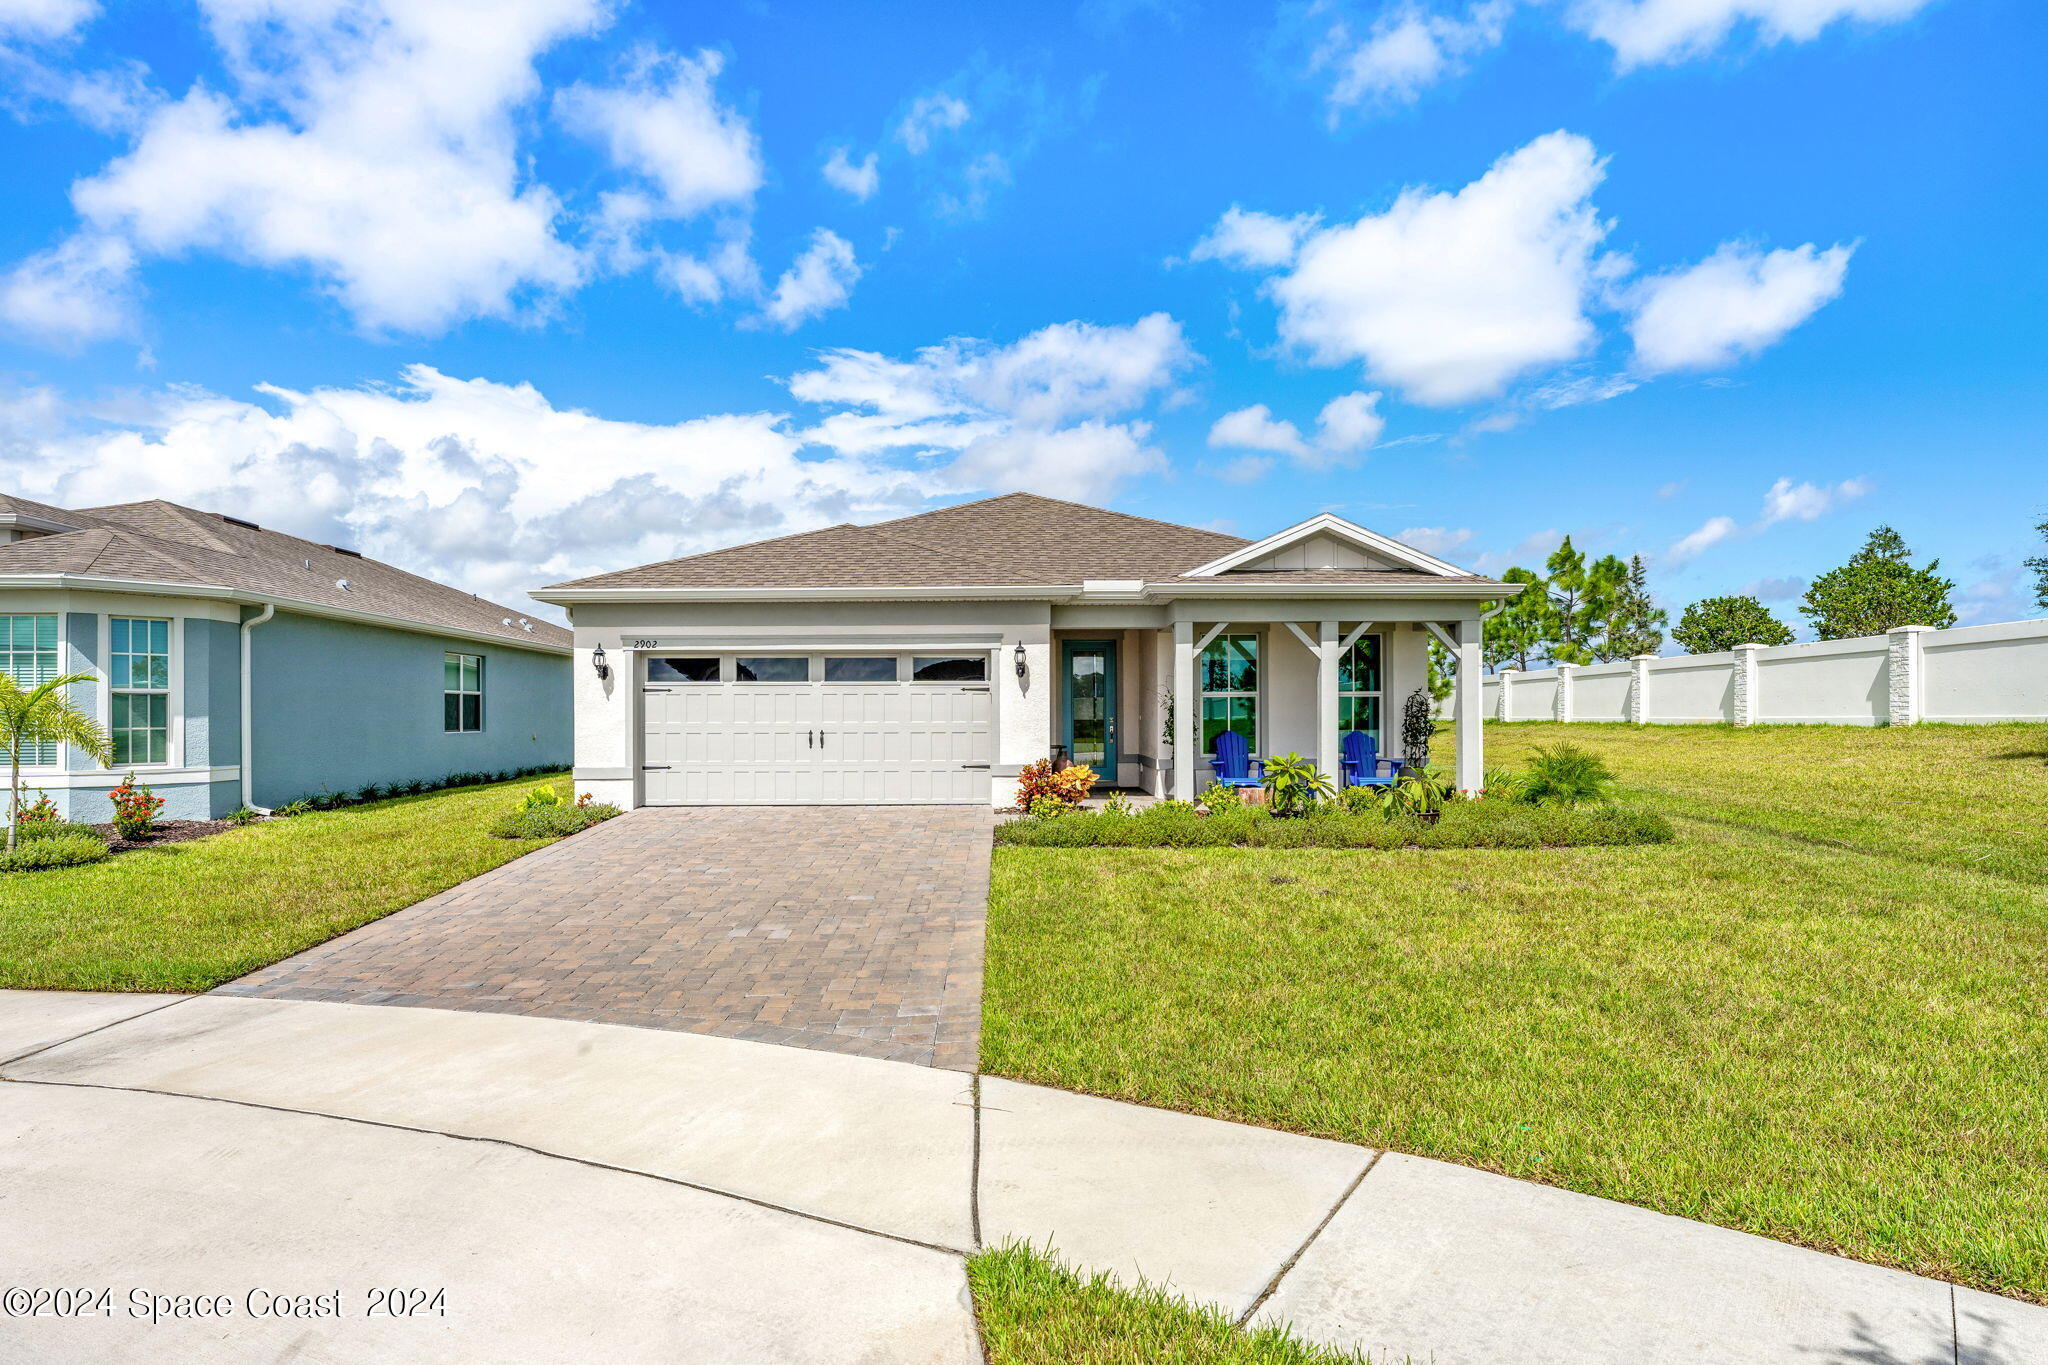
(802, 1206)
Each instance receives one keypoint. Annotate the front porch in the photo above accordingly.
(1127, 699)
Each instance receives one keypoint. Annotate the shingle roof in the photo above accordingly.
(1018, 539)
(163, 542)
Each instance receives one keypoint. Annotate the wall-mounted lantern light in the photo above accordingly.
(597, 662)
(1020, 658)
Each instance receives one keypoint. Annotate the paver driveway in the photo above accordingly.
(850, 929)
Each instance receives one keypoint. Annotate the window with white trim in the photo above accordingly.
(28, 654)
(462, 693)
(1359, 690)
(1229, 672)
(139, 674)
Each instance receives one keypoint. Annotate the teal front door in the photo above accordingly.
(1089, 670)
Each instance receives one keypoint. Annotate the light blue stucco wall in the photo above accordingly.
(82, 655)
(339, 706)
(213, 693)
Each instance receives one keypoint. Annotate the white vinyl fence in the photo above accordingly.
(1972, 674)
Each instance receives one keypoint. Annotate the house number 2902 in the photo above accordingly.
(645, 644)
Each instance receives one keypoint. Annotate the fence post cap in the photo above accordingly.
(1752, 645)
(1646, 656)
(1901, 630)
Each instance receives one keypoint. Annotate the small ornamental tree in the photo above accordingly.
(1720, 623)
(43, 714)
(2039, 564)
(1635, 624)
(1878, 590)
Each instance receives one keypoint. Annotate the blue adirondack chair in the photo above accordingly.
(1361, 763)
(1235, 766)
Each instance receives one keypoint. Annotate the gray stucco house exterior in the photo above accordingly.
(237, 665)
(928, 659)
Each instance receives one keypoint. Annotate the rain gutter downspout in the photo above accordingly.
(248, 716)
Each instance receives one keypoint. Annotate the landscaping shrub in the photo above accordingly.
(1069, 786)
(41, 811)
(58, 829)
(48, 851)
(541, 797)
(1462, 824)
(242, 815)
(550, 822)
(135, 808)
(1566, 775)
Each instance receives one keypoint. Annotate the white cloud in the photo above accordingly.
(1646, 32)
(389, 170)
(1409, 48)
(45, 20)
(860, 179)
(486, 485)
(79, 291)
(1731, 305)
(1783, 501)
(1711, 532)
(1440, 541)
(1347, 424)
(1450, 296)
(1028, 415)
(1254, 241)
(664, 122)
(930, 115)
(1350, 422)
(820, 280)
(1255, 428)
(1775, 589)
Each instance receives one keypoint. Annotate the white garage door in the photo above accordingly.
(816, 729)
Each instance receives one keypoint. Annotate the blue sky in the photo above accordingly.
(508, 292)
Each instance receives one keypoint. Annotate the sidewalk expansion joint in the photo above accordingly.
(129, 1018)
(1309, 1241)
(974, 1171)
(515, 1146)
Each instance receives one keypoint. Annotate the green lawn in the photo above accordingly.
(1035, 1312)
(1821, 1016)
(186, 917)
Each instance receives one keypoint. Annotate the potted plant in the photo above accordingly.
(1294, 786)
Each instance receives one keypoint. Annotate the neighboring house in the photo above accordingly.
(928, 659)
(234, 665)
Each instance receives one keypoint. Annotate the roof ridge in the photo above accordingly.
(1069, 502)
(190, 517)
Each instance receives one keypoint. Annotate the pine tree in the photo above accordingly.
(2039, 564)
(1635, 624)
(1581, 599)
(1878, 590)
(1515, 638)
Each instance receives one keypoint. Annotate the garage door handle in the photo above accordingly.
(654, 767)
(974, 765)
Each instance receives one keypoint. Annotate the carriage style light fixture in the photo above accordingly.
(597, 662)
(1020, 658)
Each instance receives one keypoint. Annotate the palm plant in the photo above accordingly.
(1296, 784)
(43, 714)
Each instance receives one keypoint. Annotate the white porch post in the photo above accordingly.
(1187, 705)
(1327, 654)
(1471, 708)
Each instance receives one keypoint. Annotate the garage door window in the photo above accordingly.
(860, 668)
(670, 669)
(949, 668)
(773, 668)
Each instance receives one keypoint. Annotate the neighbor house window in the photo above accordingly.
(1230, 689)
(139, 674)
(772, 668)
(462, 693)
(949, 668)
(1358, 687)
(28, 654)
(860, 668)
(667, 668)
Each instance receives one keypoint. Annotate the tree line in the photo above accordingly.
(1581, 612)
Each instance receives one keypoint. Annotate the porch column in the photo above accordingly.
(1327, 652)
(1471, 708)
(1187, 706)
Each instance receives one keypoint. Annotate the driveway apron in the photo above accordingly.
(847, 929)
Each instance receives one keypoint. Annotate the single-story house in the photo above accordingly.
(234, 665)
(929, 659)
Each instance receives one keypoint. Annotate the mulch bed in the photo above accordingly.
(165, 832)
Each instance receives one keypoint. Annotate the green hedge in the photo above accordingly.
(56, 829)
(1464, 824)
(549, 822)
(60, 850)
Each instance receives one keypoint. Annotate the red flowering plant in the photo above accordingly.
(43, 811)
(1065, 787)
(135, 808)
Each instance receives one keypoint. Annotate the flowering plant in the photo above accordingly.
(43, 811)
(135, 808)
(1068, 786)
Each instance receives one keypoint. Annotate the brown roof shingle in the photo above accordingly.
(164, 542)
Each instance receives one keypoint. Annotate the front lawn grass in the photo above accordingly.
(188, 916)
(1034, 1311)
(1819, 1016)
